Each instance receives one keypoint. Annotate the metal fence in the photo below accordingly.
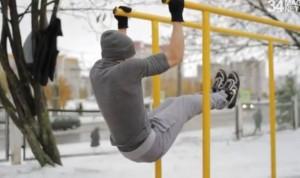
(254, 117)
(71, 135)
(4, 135)
(78, 137)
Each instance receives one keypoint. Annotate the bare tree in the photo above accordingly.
(260, 6)
(25, 103)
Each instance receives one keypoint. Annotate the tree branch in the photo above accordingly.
(51, 2)
(17, 44)
(10, 109)
(55, 8)
(261, 7)
(25, 12)
(43, 16)
(23, 89)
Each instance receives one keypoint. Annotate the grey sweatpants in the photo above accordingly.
(167, 121)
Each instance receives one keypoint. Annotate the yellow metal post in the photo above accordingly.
(156, 86)
(272, 111)
(206, 94)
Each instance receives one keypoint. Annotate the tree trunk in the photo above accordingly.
(27, 107)
(47, 138)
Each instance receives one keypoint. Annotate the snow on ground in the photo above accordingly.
(249, 158)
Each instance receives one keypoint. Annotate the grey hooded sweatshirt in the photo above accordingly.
(117, 84)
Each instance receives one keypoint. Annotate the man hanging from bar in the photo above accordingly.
(117, 84)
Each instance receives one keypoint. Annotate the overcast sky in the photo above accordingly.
(80, 41)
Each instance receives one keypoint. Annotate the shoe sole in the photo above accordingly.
(216, 86)
(237, 85)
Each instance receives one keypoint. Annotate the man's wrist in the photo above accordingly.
(177, 23)
(123, 30)
(177, 18)
(122, 24)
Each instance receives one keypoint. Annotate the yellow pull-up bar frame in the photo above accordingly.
(198, 25)
(206, 28)
(272, 98)
(206, 62)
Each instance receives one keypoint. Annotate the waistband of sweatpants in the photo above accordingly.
(143, 148)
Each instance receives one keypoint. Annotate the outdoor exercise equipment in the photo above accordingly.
(206, 28)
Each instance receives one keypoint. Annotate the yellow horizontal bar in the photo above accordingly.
(240, 15)
(197, 25)
(249, 35)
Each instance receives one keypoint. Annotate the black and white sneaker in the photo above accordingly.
(219, 81)
(231, 88)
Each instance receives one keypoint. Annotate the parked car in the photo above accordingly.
(65, 122)
(248, 106)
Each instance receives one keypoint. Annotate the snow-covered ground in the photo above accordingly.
(249, 158)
